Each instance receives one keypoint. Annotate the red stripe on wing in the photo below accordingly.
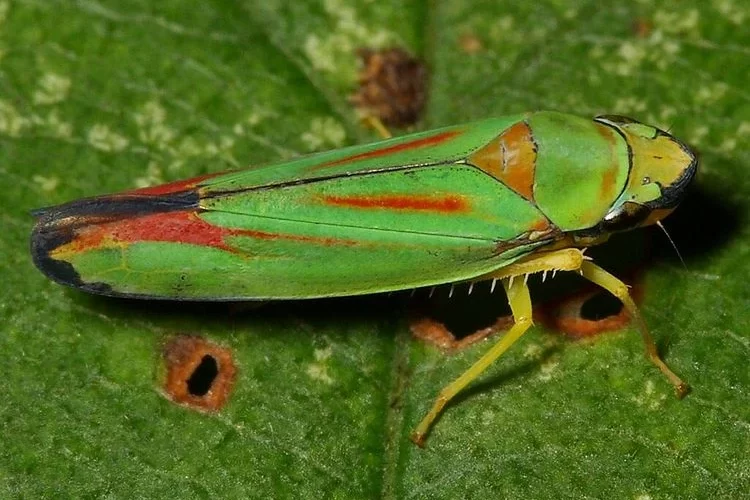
(177, 227)
(447, 204)
(397, 148)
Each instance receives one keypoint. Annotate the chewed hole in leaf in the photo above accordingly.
(587, 314)
(452, 318)
(199, 373)
(600, 306)
(467, 324)
(203, 377)
(433, 332)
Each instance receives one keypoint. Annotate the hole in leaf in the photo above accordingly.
(466, 324)
(199, 373)
(452, 318)
(599, 306)
(588, 313)
(203, 377)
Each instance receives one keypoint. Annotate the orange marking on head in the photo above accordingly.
(490, 158)
(511, 159)
(397, 148)
(447, 203)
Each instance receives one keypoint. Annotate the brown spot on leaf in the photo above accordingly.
(642, 27)
(436, 333)
(392, 86)
(453, 323)
(199, 374)
(471, 44)
(588, 313)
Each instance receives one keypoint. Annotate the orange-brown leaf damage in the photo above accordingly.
(199, 373)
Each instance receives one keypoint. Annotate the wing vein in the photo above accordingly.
(329, 224)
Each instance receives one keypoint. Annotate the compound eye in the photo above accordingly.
(629, 215)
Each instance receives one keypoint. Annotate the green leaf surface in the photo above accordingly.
(105, 95)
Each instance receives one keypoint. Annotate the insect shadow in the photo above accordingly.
(488, 384)
(270, 317)
(704, 222)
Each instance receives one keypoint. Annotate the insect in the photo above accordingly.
(493, 200)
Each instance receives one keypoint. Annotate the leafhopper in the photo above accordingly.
(493, 200)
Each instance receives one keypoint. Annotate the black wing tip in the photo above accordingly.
(57, 225)
(44, 239)
(38, 213)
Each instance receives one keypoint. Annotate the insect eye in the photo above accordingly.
(627, 216)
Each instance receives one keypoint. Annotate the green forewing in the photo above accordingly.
(445, 145)
(453, 200)
(298, 267)
(401, 213)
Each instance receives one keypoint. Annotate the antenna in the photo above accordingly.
(658, 223)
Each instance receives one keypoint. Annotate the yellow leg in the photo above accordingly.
(520, 304)
(572, 259)
(597, 275)
(568, 259)
(375, 123)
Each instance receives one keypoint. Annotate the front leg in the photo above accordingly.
(569, 259)
(572, 259)
(597, 275)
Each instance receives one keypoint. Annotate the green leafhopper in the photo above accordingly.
(492, 200)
